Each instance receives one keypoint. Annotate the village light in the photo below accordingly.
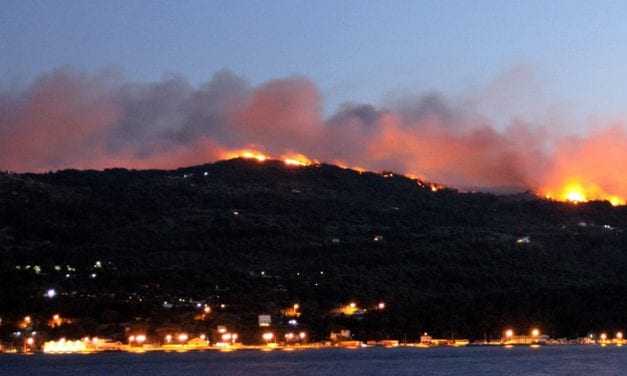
(603, 336)
(30, 341)
(619, 335)
(131, 339)
(535, 332)
(141, 338)
(509, 333)
(182, 337)
(226, 337)
(26, 322)
(302, 335)
(267, 336)
(381, 305)
(168, 338)
(51, 293)
(289, 336)
(353, 304)
(56, 320)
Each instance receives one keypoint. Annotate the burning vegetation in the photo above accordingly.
(572, 190)
(576, 192)
(290, 159)
(68, 119)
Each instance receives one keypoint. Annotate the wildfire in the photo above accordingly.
(297, 160)
(246, 154)
(290, 159)
(301, 160)
(576, 192)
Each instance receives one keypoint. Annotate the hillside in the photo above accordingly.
(259, 236)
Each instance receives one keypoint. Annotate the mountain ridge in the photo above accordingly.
(444, 261)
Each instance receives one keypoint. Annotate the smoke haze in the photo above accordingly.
(68, 119)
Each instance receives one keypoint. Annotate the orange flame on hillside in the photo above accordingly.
(290, 159)
(246, 154)
(297, 160)
(572, 190)
(301, 160)
(575, 191)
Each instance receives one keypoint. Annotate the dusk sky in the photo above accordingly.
(468, 93)
(355, 51)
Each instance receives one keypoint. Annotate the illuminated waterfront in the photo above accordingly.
(549, 360)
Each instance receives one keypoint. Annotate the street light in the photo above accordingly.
(267, 336)
(182, 337)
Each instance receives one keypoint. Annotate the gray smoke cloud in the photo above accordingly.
(69, 119)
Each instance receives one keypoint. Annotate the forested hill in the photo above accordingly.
(266, 234)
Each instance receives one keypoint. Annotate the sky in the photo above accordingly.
(354, 50)
(524, 94)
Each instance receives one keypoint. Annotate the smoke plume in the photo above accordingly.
(67, 119)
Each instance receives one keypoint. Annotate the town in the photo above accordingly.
(33, 334)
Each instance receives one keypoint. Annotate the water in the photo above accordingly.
(562, 360)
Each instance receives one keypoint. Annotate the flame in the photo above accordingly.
(297, 160)
(246, 154)
(290, 159)
(575, 191)
(301, 160)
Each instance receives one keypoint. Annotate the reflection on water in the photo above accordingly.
(559, 360)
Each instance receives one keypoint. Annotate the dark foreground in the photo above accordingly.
(562, 360)
(120, 245)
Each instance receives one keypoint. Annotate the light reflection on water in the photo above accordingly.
(562, 360)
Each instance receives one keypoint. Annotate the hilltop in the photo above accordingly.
(259, 236)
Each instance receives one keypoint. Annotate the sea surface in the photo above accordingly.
(558, 360)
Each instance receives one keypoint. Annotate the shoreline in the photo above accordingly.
(280, 348)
